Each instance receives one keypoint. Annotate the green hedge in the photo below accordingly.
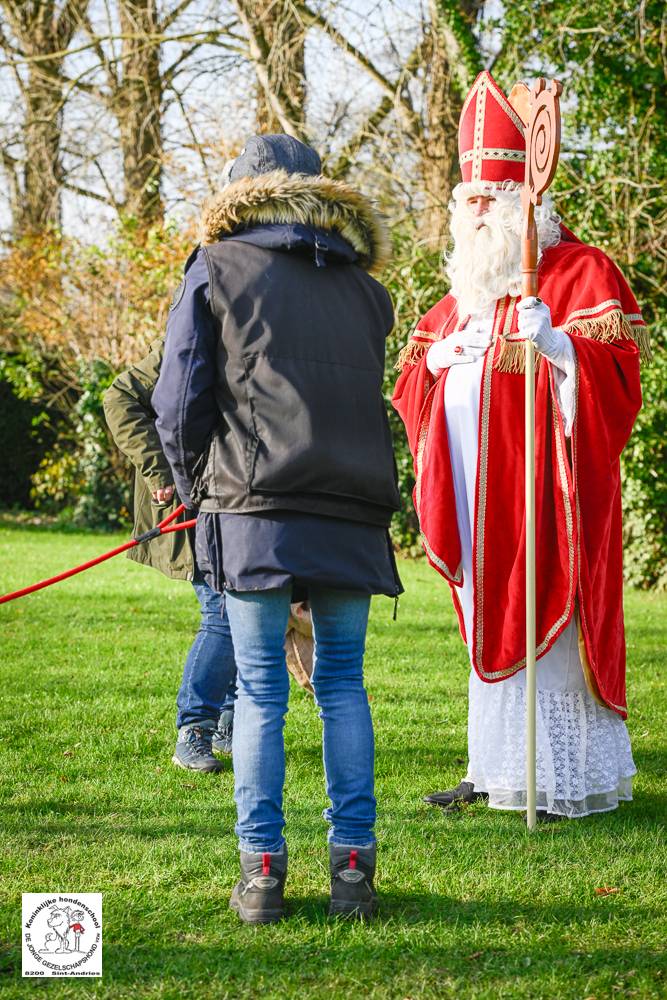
(71, 470)
(644, 468)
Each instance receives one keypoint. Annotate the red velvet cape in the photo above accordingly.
(578, 500)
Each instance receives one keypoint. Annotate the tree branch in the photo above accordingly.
(95, 195)
(260, 54)
(195, 141)
(214, 39)
(372, 123)
(313, 19)
(169, 19)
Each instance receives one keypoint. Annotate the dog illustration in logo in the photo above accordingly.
(56, 941)
(76, 928)
(50, 943)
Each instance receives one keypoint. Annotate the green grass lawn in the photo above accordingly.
(472, 905)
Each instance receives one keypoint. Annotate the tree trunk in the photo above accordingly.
(137, 103)
(438, 144)
(43, 34)
(42, 169)
(452, 61)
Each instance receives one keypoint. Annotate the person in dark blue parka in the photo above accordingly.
(270, 411)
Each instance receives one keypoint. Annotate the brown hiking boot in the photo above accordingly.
(352, 890)
(258, 896)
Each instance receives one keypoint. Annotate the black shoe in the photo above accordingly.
(258, 896)
(352, 891)
(454, 798)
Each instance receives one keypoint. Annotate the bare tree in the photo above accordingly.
(410, 130)
(138, 87)
(445, 60)
(133, 93)
(276, 37)
(36, 45)
(136, 102)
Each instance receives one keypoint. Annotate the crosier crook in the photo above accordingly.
(542, 149)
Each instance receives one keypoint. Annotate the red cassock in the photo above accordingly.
(578, 491)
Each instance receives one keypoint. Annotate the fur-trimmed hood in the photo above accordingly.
(278, 197)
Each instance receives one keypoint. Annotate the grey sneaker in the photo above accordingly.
(193, 748)
(352, 890)
(258, 896)
(222, 737)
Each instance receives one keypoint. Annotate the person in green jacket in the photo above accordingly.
(205, 702)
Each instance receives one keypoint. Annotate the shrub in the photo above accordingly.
(644, 483)
(73, 316)
(25, 435)
(82, 478)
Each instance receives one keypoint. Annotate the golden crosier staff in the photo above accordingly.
(542, 149)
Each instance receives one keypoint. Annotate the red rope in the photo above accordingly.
(162, 528)
(179, 527)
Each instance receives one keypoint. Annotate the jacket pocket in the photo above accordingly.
(318, 427)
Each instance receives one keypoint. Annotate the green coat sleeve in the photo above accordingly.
(131, 419)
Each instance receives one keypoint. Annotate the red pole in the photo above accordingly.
(163, 527)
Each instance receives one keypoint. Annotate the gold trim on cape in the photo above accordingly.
(442, 566)
(456, 577)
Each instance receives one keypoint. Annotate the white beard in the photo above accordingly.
(485, 264)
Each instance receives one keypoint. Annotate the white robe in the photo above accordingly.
(584, 760)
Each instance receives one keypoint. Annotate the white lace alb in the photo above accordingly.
(584, 760)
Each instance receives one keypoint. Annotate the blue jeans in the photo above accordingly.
(258, 620)
(209, 676)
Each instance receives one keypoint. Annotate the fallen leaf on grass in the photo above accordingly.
(606, 890)
(475, 954)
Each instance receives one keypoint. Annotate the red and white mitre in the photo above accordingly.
(492, 145)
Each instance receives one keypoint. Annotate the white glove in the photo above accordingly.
(535, 325)
(556, 346)
(457, 349)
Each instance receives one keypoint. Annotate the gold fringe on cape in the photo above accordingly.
(511, 356)
(614, 326)
(411, 354)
